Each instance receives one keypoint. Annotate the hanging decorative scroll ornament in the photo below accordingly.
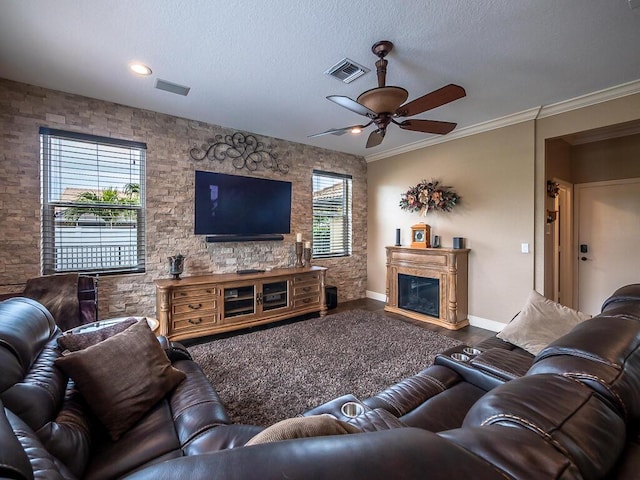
(245, 151)
(428, 196)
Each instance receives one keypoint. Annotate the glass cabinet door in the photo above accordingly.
(239, 301)
(275, 295)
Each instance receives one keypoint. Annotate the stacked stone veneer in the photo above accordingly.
(170, 185)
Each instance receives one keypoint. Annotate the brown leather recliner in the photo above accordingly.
(572, 415)
(60, 435)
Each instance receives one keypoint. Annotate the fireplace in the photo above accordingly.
(428, 284)
(419, 294)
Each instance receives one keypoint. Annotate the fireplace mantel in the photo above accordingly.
(447, 265)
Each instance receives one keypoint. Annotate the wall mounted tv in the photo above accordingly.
(232, 208)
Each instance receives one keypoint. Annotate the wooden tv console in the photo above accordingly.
(204, 305)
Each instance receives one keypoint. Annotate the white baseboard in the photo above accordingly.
(485, 323)
(479, 322)
(376, 296)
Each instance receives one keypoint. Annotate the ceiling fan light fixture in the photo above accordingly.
(383, 99)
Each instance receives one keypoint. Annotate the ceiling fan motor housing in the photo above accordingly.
(383, 99)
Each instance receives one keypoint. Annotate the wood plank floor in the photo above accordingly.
(469, 335)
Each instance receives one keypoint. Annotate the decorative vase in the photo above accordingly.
(176, 265)
(307, 257)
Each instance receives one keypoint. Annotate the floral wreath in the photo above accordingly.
(429, 196)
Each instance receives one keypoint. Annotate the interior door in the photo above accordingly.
(607, 239)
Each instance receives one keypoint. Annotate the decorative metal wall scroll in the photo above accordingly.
(244, 151)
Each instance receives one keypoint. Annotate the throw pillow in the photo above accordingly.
(122, 377)
(540, 322)
(79, 341)
(301, 427)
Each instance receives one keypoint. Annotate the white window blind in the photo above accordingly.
(92, 203)
(332, 205)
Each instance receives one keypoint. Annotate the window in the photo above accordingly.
(331, 214)
(92, 203)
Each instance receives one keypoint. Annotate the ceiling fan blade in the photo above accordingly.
(340, 131)
(428, 126)
(352, 105)
(437, 98)
(375, 138)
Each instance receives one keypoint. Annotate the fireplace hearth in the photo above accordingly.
(428, 284)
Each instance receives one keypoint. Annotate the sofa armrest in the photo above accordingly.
(174, 350)
(355, 456)
(506, 364)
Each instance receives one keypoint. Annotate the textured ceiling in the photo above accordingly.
(258, 66)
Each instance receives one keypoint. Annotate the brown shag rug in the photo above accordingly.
(267, 375)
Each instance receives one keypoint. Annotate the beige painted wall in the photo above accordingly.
(494, 174)
(612, 112)
(606, 160)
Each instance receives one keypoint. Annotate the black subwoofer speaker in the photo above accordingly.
(331, 296)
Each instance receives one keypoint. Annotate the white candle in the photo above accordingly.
(298, 237)
(307, 244)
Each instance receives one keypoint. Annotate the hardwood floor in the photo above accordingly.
(469, 335)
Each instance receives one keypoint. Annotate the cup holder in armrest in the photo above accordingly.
(460, 357)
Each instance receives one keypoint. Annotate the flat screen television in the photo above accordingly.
(231, 206)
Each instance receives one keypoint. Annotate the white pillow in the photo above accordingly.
(540, 322)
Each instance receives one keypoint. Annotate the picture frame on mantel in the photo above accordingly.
(420, 235)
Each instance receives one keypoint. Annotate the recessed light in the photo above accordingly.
(140, 68)
(355, 130)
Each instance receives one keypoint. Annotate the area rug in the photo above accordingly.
(268, 375)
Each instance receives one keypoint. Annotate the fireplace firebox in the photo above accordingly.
(428, 284)
(419, 294)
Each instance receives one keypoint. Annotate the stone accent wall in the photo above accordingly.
(170, 184)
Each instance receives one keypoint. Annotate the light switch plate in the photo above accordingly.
(524, 248)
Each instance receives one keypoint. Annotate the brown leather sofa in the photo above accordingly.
(570, 412)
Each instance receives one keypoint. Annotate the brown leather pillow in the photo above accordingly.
(79, 341)
(302, 427)
(122, 377)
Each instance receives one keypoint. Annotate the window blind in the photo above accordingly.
(332, 206)
(93, 197)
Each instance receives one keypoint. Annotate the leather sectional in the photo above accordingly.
(570, 412)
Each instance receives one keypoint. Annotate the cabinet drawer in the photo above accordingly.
(188, 293)
(195, 307)
(300, 290)
(306, 278)
(306, 301)
(194, 323)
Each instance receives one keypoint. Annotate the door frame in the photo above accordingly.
(563, 257)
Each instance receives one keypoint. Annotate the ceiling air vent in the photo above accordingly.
(347, 70)
(172, 87)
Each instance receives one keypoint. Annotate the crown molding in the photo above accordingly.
(536, 113)
(519, 117)
(589, 99)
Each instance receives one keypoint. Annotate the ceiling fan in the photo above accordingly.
(382, 105)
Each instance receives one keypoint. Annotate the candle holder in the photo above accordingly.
(307, 257)
(299, 255)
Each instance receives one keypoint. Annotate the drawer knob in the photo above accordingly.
(306, 300)
(195, 322)
(306, 289)
(195, 307)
